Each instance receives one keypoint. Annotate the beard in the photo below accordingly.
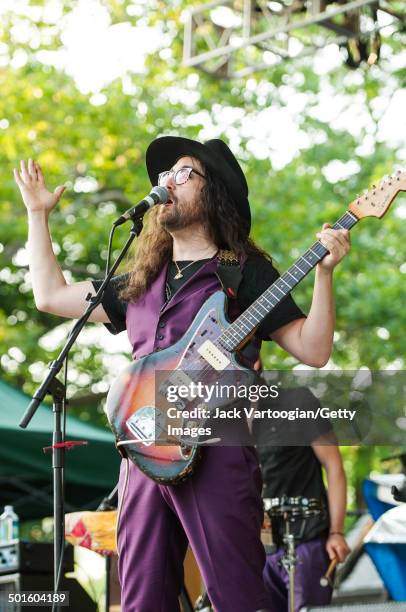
(181, 215)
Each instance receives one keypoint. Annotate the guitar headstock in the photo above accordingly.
(377, 200)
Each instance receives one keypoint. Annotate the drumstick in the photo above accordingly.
(325, 580)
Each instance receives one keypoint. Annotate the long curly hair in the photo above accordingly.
(223, 225)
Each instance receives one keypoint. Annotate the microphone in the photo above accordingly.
(158, 195)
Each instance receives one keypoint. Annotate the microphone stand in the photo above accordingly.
(108, 503)
(57, 390)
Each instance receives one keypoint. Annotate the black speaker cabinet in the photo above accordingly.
(31, 558)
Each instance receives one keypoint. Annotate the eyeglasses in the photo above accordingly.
(180, 176)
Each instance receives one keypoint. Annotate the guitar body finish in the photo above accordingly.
(136, 409)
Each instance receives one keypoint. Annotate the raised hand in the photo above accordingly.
(34, 192)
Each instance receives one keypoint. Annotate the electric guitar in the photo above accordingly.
(139, 403)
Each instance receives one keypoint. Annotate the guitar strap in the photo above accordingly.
(229, 272)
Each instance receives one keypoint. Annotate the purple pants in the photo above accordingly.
(313, 563)
(218, 510)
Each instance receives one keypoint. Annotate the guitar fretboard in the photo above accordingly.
(243, 326)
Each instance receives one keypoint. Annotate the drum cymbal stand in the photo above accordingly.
(290, 560)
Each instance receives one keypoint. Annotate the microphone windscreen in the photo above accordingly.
(162, 193)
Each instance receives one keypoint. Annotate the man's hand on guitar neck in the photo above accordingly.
(310, 340)
(337, 242)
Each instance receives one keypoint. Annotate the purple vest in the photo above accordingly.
(153, 325)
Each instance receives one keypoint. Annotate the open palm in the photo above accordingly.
(34, 192)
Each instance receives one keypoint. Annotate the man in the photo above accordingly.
(292, 454)
(219, 509)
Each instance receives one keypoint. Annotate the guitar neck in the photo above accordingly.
(244, 325)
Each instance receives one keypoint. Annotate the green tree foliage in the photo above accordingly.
(96, 144)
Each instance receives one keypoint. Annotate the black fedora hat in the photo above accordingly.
(163, 153)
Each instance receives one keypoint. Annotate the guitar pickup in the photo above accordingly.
(212, 354)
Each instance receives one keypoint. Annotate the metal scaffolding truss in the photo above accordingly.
(233, 38)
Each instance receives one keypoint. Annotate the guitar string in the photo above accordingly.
(346, 218)
(223, 337)
(347, 221)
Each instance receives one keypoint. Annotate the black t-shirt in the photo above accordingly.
(258, 275)
(288, 469)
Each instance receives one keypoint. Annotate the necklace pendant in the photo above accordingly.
(178, 275)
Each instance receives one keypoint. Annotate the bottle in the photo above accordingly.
(9, 525)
